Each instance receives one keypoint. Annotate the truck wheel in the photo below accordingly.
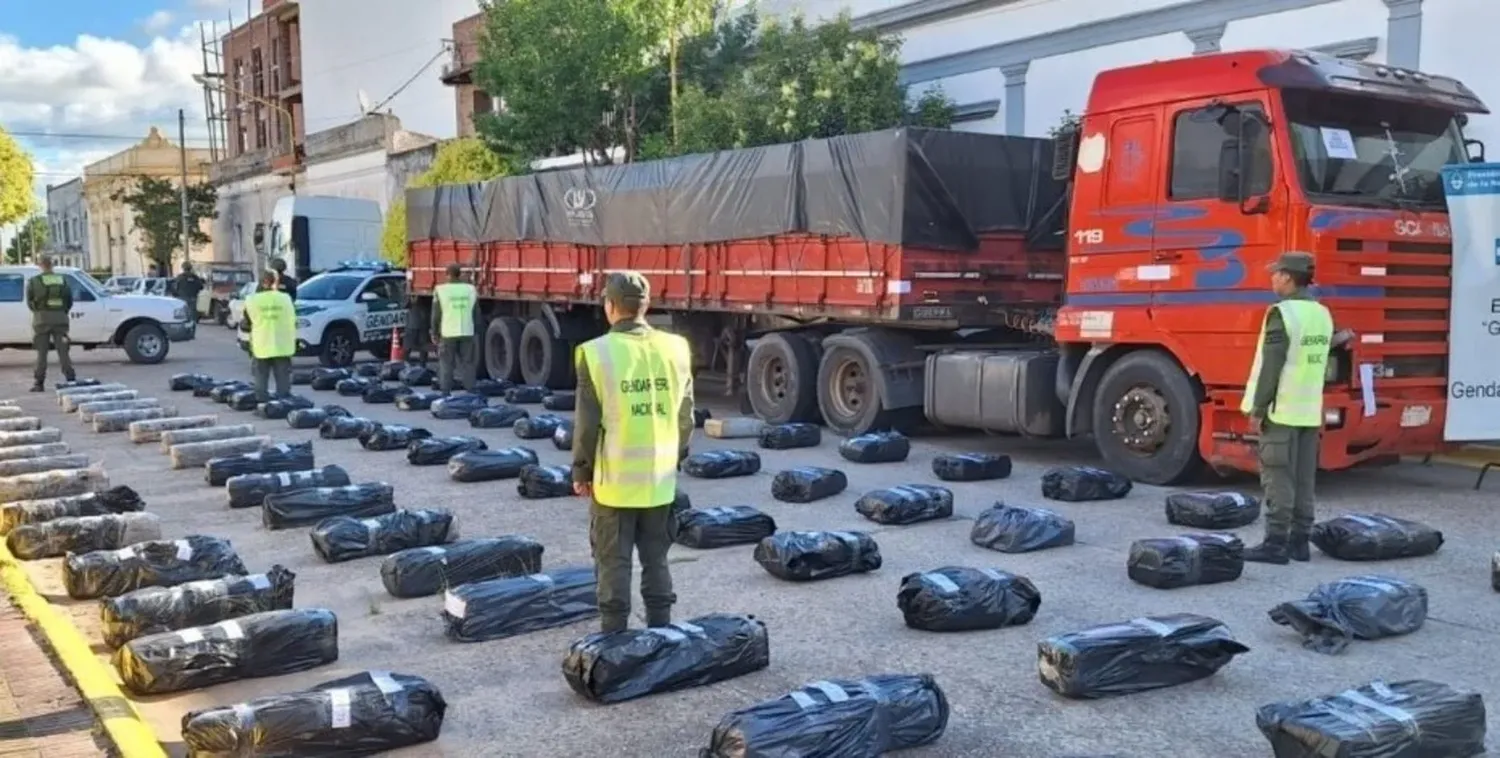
(502, 348)
(1147, 418)
(781, 379)
(849, 395)
(340, 343)
(545, 360)
(146, 343)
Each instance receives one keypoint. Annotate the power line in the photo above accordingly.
(83, 136)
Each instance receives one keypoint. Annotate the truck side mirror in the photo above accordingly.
(258, 236)
(1475, 150)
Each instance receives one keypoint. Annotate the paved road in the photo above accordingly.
(508, 698)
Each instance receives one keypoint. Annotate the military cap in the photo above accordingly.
(627, 288)
(1293, 263)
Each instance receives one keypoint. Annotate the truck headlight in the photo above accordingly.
(303, 323)
(1333, 418)
(180, 314)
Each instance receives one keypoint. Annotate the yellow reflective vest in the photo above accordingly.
(1299, 392)
(273, 324)
(640, 377)
(456, 299)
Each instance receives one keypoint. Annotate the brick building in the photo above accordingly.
(459, 74)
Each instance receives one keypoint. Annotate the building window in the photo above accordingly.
(241, 138)
(1204, 138)
(260, 133)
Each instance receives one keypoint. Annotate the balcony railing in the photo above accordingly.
(460, 66)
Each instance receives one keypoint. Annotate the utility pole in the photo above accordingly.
(182, 194)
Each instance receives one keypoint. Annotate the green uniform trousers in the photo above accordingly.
(456, 354)
(614, 533)
(1288, 470)
(53, 337)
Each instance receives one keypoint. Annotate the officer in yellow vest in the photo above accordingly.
(633, 418)
(1284, 400)
(453, 328)
(272, 317)
(50, 299)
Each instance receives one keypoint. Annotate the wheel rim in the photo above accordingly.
(149, 345)
(849, 388)
(341, 348)
(773, 378)
(1142, 421)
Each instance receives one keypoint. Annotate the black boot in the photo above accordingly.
(1297, 549)
(38, 387)
(1272, 550)
(658, 618)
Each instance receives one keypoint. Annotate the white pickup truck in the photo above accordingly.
(144, 325)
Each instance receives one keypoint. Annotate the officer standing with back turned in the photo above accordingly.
(1284, 400)
(453, 328)
(273, 337)
(50, 299)
(631, 428)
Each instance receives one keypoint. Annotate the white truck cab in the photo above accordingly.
(314, 233)
(144, 325)
(352, 306)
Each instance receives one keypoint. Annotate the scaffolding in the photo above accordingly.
(213, 92)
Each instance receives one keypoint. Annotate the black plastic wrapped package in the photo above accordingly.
(71, 383)
(364, 714)
(906, 504)
(119, 499)
(250, 490)
(1082, 483)
(962, 599)
(812, 556)
(205, 390)
(367, 370)
(222, 392)
(721, 464)
(876, 447)
(538, 482)
(1212, 510)
(1171, 562)
(425, 571)
(1366, 607)
(437, 451)
(807, 484)
(381, 394)
(562, 437)
(386, 437)
(503, 607)
(287, 456)
(867, 718)
(185, 382)
(497, 417)
(526, 394)
(721, 527)
(971, 467)
(538, 427)
(1013, 529)
(306, 418)
(457, 406)
(303, 376)
(1373, 537)
(305, 507)
(278, 408)
(701, 415)
(491, 387)
(1495, 572)
(324, 379)
(790, 436)
(490, 465)
(390, 371)
(153, 610)
(82, 534)
(158, 563)
(1135, 656)
(272, 643)
(244, 400)
(1408, 719)
(346, 427)
(417, 376)
(418, 400)
(619, 666)
(559, 401)
(342, 538)
(354, 386)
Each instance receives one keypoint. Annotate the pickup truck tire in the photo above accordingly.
(502, 348)
(781, 379)
(340, 343)
(1147, 418)
(546, 361)
(146, 343)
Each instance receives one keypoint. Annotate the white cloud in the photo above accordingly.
(157, 23)
(210, 5)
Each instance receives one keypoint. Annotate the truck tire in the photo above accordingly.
(146, 343)
(1147, 418)
(781, 379)
(546, 361)
(849, 395)
(502, 348)
(340, 343)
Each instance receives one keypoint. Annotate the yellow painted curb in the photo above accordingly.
(130, 735)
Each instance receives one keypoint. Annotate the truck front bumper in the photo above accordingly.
(181, 331)
(1399, 427)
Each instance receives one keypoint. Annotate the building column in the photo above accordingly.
(1403, 33)
(1015, 97)
(1206, 39)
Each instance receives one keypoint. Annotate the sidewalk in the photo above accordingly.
(41, 715)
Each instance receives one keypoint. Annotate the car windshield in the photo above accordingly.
(329, 287)
(1367, 151)
(125, 282)
(90, 284)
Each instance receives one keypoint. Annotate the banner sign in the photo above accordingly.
(1473, 192)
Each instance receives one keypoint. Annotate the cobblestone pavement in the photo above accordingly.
(41, 715)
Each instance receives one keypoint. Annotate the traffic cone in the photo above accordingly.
(398, 353)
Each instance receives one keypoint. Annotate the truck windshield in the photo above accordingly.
(1359, 150)
(329, 287)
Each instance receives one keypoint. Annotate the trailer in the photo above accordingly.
(1105, 284)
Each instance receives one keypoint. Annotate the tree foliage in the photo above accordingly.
(157, 214)
(31, 237)
(457, 162)
(16, 177)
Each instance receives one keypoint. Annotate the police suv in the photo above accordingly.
(352, 307)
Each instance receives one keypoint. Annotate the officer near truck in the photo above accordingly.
(453, 328)
(632, 423)
(50, 300)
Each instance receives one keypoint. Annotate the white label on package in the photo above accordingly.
(184, 550)
(260, 581)
(454, 605)
(386, 683)
(231, 630)
(833, 692)
(338, 708)
(370, 523)
(1338, 143)
(189, 636)
(943, 583)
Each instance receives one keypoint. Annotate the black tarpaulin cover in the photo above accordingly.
(526, 394)
(1373, 537)
(562, 437)
(806, 484)
(1171, 562)
(537, 482)
(1409, 719)
(810, 556)
(1081, 483)
(305, 507)
(386, 437)
(1135, 656)
(497, 417)
(790, 436)
(538, 427)
(158, 563)
(287, 456)
(346, 427)
(424, 571)
(342, 538)
(502, 607)
(1212, 510)
(971, 467)
(1013, 529)
(258, 645)
(721, 527)
(906, 504)
(437, 451)
(182, 382)
(82, 534)
(961, 599)
(280, 407)
(250, 490)
(721, 464)
(418, 400)
(324, 379)
(457, 406)
(152, 610)
(619, 666)
(365, 714)
(119, 499)
(560, 401)
(876, 447)
(1366, 607)
(867, 717)
(489, 465)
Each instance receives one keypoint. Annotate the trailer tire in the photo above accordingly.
(502, 348)
(1147, 418)
(546, 361)
(849, 395)
(781, 379)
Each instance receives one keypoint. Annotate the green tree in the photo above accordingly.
(17, 198)
(457, 161)
(1068, 121)
(31, 238)
(157, 208)
(667, 26)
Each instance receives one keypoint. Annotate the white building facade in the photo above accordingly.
(68, 223)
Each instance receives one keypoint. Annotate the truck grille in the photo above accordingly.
(1413, 321)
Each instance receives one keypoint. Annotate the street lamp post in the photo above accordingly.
(217, 83)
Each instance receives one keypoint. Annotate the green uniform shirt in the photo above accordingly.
(49, 298)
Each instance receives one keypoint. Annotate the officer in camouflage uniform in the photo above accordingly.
(50, 299)
(1284, 400)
